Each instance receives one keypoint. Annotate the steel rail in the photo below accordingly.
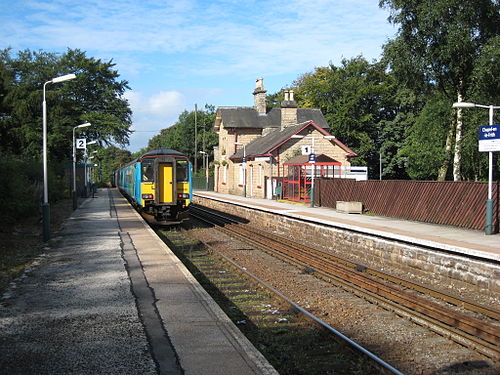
(380, 362)
(466, 323)
(489, 336)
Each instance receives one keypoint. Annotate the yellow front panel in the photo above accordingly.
(183, 187)
(166, 183)
(147, 188)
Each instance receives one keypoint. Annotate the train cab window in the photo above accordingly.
(147, 170)
(181, 170)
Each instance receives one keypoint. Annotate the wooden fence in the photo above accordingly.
(461, 204)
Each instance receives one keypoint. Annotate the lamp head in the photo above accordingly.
(84, 125)
(463, 105)
(66, 77)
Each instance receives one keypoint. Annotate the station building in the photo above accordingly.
(259, 149)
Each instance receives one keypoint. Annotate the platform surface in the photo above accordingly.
(439, 237)
(107, 296)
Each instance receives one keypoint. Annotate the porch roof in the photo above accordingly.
(321, 159)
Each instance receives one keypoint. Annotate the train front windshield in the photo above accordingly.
(181, 171)
(148, 173)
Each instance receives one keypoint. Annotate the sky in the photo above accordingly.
(179, 53)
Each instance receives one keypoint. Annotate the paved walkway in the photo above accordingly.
(447, 238)
(109, 297)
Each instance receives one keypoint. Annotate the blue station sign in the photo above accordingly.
(489, 138)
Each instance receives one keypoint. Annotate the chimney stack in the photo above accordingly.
(288, 110)
(259, 97)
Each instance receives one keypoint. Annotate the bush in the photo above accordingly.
(21, 187)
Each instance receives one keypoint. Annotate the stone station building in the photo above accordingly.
(255, 144)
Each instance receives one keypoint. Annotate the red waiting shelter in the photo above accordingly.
(299, 171)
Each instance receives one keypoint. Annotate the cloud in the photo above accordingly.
(218, 37)
(175, 53)
(162, 104)
(152, 113)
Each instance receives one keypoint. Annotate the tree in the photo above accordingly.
(180, 136)
(110, 159)
(355, 100)
(439, 42)
(96, 95)
(424, 145)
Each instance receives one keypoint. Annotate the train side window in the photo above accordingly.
(147, 170)
(181, 170)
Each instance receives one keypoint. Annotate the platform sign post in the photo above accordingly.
(312, 160)
(489, 141)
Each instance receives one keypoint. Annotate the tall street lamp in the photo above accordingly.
(85, 167)
(74, 197)
(489, 201)
(244, 163)
(45, 205)
(313, 158)
(205, 163)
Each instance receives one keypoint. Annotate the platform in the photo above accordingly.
(108, 296)
(439, 237)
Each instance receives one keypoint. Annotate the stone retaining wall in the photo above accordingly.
(371, 251)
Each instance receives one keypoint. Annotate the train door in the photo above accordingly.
(166, 182)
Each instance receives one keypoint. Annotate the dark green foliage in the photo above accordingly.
(424, 147)
(110, 159)
(447, 48)
(21, 186)
(357, 100)
(95, 95)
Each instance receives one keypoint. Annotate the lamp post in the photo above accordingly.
(45, 205)
(313, 137)
(205, 163)
(244, 167)
(489, 201)
(85, 167)
(74, 197)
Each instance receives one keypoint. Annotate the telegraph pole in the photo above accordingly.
(195, 138)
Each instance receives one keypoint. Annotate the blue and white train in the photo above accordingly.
(159, 184)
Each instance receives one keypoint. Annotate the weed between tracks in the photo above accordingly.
(290, 343)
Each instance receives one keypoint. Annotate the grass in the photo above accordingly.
(22, 241)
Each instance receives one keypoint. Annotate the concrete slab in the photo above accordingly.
(205, 339)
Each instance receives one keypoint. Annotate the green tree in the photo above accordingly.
(439, 43)
(96, 95)
(180, 136)
(354, 98)
(109, 160)
(424, 144)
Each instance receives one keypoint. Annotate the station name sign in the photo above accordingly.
(489, 138)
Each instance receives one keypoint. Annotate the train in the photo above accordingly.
(159, 184)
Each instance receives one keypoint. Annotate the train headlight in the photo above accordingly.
(183, 196)
(147, 196)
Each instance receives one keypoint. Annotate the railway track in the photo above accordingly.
(463, 321)
(275, 324)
